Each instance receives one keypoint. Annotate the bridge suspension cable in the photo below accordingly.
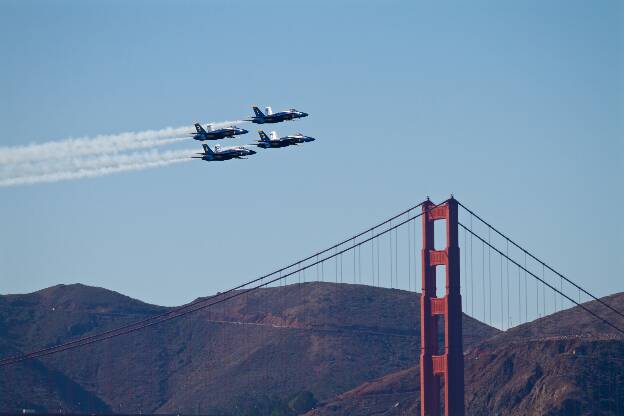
(336, 253)
(233, 292)
(520, 267)
(531, 255)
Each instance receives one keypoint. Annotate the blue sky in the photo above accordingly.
(515, 107)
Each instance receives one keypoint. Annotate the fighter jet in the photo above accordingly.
(217, 134)
(273, 141)
(225, 153)
(300, 138)
(271, 117)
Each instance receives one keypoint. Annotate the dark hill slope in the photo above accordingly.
(552, 377)
(569, 322)
(577, 371)
(323, 337)
(34, 386)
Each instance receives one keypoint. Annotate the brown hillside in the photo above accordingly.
(552, 377)
(547, 373)
(323, 337)
(46, 388)
(569, 322)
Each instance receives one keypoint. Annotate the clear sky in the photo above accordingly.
(515, 107)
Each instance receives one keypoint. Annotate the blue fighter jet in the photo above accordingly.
(273, 142)
(300, 138)
(225, 153)
(217, 134)
(271, 117)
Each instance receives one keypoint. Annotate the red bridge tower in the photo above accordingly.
(434, 362)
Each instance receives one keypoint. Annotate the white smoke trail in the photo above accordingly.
(83, 163)
(101, 144)
(27, 174)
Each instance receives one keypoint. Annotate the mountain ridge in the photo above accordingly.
(323, 337)
(354, 347)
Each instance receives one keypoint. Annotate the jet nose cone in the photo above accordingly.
(304, 114)
(311, 139)
(252, 152)
(243, 131)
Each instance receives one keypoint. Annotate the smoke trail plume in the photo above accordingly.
(101, 144)
(55, 171)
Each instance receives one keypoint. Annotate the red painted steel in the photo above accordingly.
(438, 306)
(439, 364)
(449, 365)
(437, 257)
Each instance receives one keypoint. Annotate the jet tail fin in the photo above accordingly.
(199, 128)
(258, 112)
(263, 136)
(207, 149)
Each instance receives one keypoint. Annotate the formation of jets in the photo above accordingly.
(270, 141)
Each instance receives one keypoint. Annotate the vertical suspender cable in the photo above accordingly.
(317, 269)
(519, 296)
(360, 263)
(396, 257)
(483, 277)
(526, 293)
(490, 272)
(508, 284)
(341, 261)
(409, 255)
(537, 314)
(465, 253)
(555, 296)
(471, 272)
(306, 316)
(501, 294)
(354, 275)
(415, 239)
(393, 249)
(378, 267)
(336, 268)
(543, 293)
(390, 258)
(373, 258)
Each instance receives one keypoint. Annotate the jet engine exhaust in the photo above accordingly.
(77, 168)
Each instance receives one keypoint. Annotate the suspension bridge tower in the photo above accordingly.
(441, 362)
